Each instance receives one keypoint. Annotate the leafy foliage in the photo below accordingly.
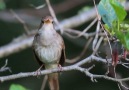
(17, 87)
(2, 5)
(113, 15)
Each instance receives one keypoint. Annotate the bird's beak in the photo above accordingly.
(47, 21)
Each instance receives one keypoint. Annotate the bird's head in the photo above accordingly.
(46, 23)
(47, 20)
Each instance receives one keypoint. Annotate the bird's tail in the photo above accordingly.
(53, 81)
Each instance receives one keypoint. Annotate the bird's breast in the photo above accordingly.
(48, 46)
(47, 37)
(49, 54)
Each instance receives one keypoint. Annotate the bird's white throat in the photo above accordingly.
(47, 32)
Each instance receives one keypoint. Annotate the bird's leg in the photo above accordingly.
(38, 72)
(59, 67)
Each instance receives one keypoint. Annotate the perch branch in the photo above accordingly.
(67, 68)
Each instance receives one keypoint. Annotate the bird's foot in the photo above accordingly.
(59, 67)
(38, 72)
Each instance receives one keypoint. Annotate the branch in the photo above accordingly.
(32, 14)
(17, 45)
(21, 21)
(75, 59)
(44, 82)
(68, 68)
(53, 15)
(5, 68)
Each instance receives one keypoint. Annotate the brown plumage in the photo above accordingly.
(49, 49)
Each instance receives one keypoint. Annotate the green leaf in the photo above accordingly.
(119, 10)
(113, 15)
(111, 10)
(109, 29)
(17, 87)
(122, 35)
(107, 12)
(127, 40)
(124, 26)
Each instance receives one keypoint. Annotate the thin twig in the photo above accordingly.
(21, 21)
(5, 68)
(91, 67)
(44, 82)
(82, 33)
(108, 40)
(70, 32)
(125, 66)
(99, 19)
(54, 15)
(75, 59)
(38, 7)
(96, 36)
(86, 29)
(98, 44)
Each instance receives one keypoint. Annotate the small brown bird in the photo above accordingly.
(49, 49)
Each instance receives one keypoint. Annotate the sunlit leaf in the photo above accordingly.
(107, 12)
(17, 87)
(119, 10)
(113, 15)
(111, 10)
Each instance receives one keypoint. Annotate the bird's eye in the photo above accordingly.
(52, 22)
(42, 21)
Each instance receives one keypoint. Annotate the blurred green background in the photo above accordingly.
(24, 61)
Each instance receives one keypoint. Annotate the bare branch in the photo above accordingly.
(98, 44)
(44, 82)
(33, 14)
(96, 36)
(5, 68)
(86, 29)
(20, 44)
(21, 21)
(75, 59)
(54, 15)
(68, 32)
(67, 68)
(25, 41)
(38, 7)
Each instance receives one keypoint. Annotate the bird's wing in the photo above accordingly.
(36, 57)
(62, 58)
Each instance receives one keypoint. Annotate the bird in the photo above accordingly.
(49, 49)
